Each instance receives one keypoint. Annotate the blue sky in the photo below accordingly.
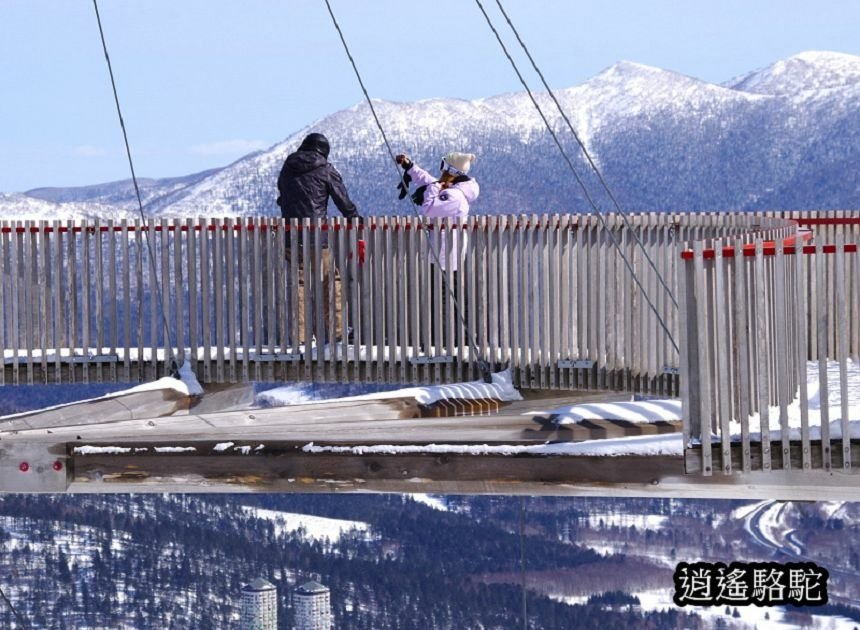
(204, 82)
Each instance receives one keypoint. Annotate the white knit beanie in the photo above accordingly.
(461, 162)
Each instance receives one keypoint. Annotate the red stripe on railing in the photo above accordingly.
(768, 249)
(492, 224)
(829, 221)
(91, 229)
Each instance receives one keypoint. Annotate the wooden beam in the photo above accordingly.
(287, 468)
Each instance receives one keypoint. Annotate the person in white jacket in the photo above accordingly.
(448, 196)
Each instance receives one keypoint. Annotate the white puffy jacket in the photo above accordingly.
(451, 202)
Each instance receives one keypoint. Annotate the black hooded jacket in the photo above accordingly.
(305, 184)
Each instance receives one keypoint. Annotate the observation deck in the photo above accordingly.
(721, 311)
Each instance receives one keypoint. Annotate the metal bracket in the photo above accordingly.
(28, 467)
(576, 363)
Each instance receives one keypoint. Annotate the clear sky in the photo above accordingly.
(204, 82)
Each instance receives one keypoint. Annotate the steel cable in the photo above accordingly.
(483, 365)
(17, 615)
(591, 202)
(587, 155)
(174, 367)
(522, 529)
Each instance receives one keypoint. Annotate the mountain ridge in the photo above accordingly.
(828, 66)
(781, 137)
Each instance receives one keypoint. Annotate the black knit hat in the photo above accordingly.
(316, 142)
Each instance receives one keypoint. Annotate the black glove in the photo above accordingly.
(403, 161)
(418, 195)
(403, 186)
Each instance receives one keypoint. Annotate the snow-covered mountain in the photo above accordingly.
(18, 205)
(179, 561)
(785, 137)
(121, 193)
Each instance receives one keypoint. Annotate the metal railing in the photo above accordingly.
(549, 296)
(755, 316)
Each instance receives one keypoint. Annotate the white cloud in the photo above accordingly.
(228, 147)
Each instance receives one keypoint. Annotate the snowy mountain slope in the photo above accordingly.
(121, 192)
(146, 560)
(20, 206)
(804, 72)
(785, 137)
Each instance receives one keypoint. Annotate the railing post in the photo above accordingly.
(704, 337)
(763, 351)
(821, 319)
(690, 393)
(742, 350)
(842, 348)
(722, 347)
(784, 392)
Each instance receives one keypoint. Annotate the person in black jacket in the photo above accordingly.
(305, 184)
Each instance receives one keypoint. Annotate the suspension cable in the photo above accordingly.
(363, 88)
(17, 615)
(591, 202)
(483, 365)
(174, 367)
(523, 564)
(587, 155)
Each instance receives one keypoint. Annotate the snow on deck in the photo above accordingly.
(645, 411)
(500, 389)
(816, 406)
(666, 444)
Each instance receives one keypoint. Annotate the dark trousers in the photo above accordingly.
(320, 274)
